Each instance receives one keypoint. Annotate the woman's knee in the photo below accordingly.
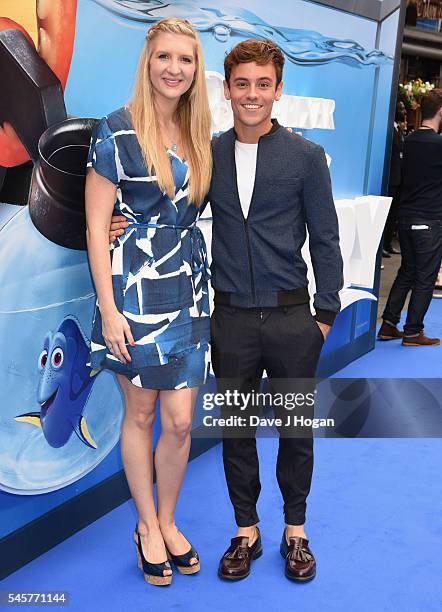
(179, 427)
(144, 419)
(140, 413)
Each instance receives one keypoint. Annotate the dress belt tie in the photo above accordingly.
(200, 262)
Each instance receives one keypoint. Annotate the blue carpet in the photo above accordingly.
(374, 523)
(392, 360)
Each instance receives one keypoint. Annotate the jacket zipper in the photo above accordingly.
(246, 227)
(249, 253)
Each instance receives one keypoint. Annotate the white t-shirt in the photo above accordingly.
(245, 159)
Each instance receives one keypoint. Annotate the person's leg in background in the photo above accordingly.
(402, 285)
(391, 223)
(427, 245)
(437, 290)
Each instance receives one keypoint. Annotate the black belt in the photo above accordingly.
(285, 298)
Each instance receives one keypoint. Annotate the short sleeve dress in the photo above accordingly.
(160, 269)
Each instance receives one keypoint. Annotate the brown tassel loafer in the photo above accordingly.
(236, 561)
(300, 564)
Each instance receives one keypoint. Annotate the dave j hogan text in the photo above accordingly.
(291, 420)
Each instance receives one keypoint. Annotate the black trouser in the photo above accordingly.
(390, 224)
(286, 342)
(421, 251)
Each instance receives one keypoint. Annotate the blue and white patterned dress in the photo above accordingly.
(159, 266)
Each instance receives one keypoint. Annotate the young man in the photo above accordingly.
(268, 187)
(420, 230)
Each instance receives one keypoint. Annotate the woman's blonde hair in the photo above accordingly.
(193, 115)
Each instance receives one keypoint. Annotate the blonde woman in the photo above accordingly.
(151, 162)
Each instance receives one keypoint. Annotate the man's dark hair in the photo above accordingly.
(431, 103)
(254, 50)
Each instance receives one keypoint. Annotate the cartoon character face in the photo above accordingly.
(54, 371)
(65, 385)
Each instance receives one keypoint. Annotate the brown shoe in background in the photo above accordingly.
(389, 332)
(300, 564)
(236, 561)
(420, 340)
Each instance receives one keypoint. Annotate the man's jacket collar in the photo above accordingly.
(275, 127)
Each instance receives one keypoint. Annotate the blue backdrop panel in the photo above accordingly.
(329, 54)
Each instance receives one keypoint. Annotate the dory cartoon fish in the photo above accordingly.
(65, 385)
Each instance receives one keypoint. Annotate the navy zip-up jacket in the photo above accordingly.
(257, 260)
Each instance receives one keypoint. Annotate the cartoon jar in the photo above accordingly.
(58, 418)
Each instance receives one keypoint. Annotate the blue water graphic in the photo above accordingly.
(304, 47)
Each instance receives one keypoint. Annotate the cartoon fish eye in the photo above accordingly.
(43, 359)
(57, 358)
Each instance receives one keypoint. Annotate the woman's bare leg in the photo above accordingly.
(171, 456)
(136, 453)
